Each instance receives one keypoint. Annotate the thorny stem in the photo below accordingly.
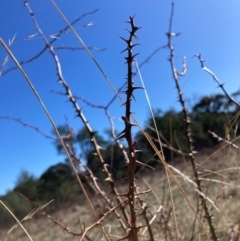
(176, 75)
(78, 110)
(105, 108)
(126, 133)
(96, 186)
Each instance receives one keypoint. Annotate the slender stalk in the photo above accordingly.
(187, 120)
(127, 132)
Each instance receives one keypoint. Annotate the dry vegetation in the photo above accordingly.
(220, 177)
(195, 198)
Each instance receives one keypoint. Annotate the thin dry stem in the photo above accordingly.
(187, 120)
(176, 181)
(27, 125)
(101, 220)
(127, 132)
(224, 140)
(49, 117)
(16, 218)
(216, 79)
(57, 35)
(78, 110)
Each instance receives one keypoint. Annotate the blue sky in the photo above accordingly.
(207, 27)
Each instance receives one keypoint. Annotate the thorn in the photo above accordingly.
(120, 137)
(136, 28)
(127, 41)
(172, 34)
(128, 30)
(135, 55)
(125, 50)
(109, 179)
(124, 103)
(134, 45)
(124, 118)
(99, 147)
(136, 36)
(133, 97)
(139, 227)
(132, 124)
(121, 131)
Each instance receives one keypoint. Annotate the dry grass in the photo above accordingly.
(220, 175)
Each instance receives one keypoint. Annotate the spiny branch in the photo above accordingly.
(127, 134)
(170, 34)
(78, 110)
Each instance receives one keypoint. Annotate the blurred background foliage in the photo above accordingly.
(58, 182)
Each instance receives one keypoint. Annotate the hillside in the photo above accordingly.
(219, 172)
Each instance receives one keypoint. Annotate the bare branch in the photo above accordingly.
(63, 47)
(170, 34)
(57, 35)
(27, 125)
(224, 140)
(216, 79)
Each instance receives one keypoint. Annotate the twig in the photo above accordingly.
(27, 125)
(63, 47)
(95, 184)
(224, 140)
(150, 56)
(161, 158)
(145, 207)
(16, 220)
(44, 108)
(40, 208)
(216, 79)
(78, 110)
(101, 220)
(187, 120)
(57, 35)
(105, 109)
